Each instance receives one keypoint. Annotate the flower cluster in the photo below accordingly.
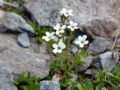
(60, 30)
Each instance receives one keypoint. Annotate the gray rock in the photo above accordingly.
(89, 72)
(3, 29)
(106, 28)
(99, 45)
(87, 62)
(18, 59)
(49, 85)
(15, 22)
(46, 12)
(108, 60)
(74, 49)
(6, 79)
(23, 40)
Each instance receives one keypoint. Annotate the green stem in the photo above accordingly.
(49, 49)
(68, 44)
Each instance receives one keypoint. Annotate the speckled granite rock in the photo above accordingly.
(6, 79)
(15, 22)
(49, 85)
(18, 59)
(99, 45)
(107, 60)
(23, 40)
(100, 15)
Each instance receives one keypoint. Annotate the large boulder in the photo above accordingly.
(6, 79)
(17, 59)
(86, 13)
(107, 60)
(14, 22)
(99, 45)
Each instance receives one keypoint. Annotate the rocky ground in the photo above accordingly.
(19, 51)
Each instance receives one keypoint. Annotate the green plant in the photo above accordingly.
(106, 79)
(64, 63)
(103, 80)
(27, 82)
(16, 10)
(10, 6)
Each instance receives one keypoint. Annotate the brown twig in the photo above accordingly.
(115, 40)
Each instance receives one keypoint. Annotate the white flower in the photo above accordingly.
(72, 26)
(49, 36)
(58, 47)
(59, 29)
(81, 41)
(66, 12)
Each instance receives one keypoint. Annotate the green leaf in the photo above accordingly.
(100, 76)
(99, 86)
(86, 85)
(117, 70)
(26, 82)
(116, 88)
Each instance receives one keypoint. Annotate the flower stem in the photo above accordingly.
(49, 49)
(68, 44)
(115, 40)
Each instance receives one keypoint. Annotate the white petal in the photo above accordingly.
(69, 27)
(63, 27)
(66, 14)
(61, 45)
(75, 24)
(57, 27)
(57, 32)
(63, 11)
(76, 27)
(72, 29)
(62, 31)
(71, 23)
(54, 45)
(81, 45)
(43, 37)
(47, 34)
(84, 37)
(79, 38)
(47, 39)
(55, 51)
(76, 42)
(86, 42)
(60, 50)
(52, 33)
